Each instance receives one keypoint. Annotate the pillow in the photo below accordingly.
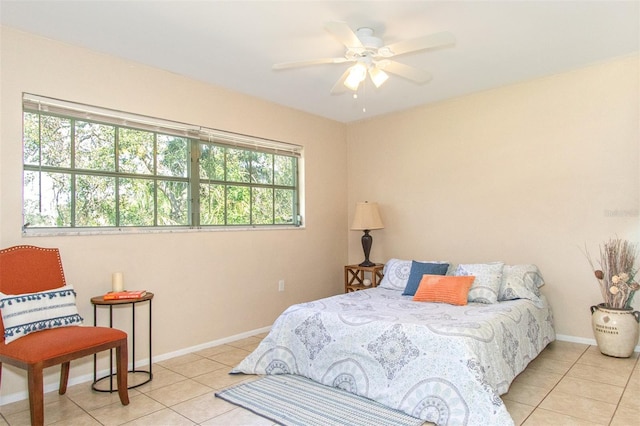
(23, 314)
(396, 274)
(418, 269)
(520, 282)
(444, 289)
(486, 286)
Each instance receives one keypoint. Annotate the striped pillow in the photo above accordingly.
(26, 313)
(444, 289)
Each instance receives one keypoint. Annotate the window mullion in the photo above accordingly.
(273, 190)
(39, 162)
(226, 188)
(194, 182)
(296, 196)
(156, 182)
(116, 164)
(73, 174)
(251, 187)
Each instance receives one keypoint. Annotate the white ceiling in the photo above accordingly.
(233, 44)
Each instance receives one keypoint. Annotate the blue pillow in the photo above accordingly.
(418, 269)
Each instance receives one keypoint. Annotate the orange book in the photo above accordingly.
(133, 294)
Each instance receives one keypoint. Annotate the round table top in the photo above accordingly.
(99, 300)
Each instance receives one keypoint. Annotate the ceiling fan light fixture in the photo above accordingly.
(369, 55)
(378, 76)
(357, 74)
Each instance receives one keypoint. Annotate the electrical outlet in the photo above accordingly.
(281, 285)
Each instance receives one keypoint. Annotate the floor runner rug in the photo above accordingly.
(297, 401)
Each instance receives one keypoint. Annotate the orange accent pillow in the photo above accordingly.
(444, 289)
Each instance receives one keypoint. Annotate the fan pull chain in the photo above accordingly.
(364, 89)
(356, 98)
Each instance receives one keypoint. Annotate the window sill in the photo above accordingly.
(54, 232)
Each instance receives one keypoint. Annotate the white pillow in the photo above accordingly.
(486, 286)
(23, 314)
(520, 282)
(396, 273)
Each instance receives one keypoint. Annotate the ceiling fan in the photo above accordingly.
(373, 57)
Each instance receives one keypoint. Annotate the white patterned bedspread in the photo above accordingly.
(441, 363)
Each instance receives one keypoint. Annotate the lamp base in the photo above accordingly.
(367, 241)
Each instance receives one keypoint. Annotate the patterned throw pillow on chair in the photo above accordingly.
(26, 313)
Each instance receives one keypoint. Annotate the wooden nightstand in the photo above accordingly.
(354, 276)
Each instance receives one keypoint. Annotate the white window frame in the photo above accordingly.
(195, 134)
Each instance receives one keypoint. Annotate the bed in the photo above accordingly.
(443, 363)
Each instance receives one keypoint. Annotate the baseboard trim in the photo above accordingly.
(88, 378)
(573, 339)
(210, 344)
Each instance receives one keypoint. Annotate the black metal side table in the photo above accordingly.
(99, 301)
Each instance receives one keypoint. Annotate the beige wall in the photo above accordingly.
(525, 174)
(208, 285)
(528, 173)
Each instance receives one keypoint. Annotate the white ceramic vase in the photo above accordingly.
(616, 330)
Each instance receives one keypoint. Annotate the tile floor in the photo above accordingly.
(568, 384)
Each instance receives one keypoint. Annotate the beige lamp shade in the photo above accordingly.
(366, 217)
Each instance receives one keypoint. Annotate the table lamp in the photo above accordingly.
(365, 219)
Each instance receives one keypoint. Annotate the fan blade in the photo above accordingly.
(427, 42)
(339, 87)
(296, 64)
(405, 71)
(343, 34)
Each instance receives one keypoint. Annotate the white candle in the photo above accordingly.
(117, 282)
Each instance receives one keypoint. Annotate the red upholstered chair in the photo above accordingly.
(30, 269)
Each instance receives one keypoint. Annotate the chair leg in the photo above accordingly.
(64, 377)
(122, 362)
(36, 396)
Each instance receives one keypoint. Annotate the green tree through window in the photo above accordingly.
(91, 173)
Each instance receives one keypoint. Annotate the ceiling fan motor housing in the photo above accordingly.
(365, 35)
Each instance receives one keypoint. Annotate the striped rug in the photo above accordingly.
(297, 401)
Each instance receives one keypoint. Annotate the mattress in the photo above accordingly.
(441, 363)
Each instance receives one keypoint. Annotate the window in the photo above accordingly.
(88, 167)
